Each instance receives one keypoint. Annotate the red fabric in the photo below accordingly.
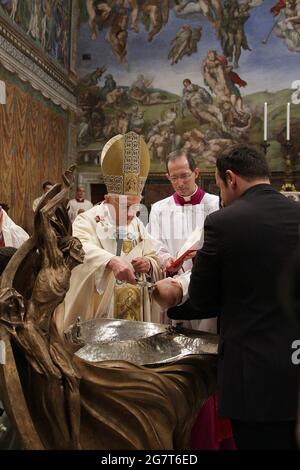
(223, 425)
(195, 198)
(211, 432)
(276, 9)
(222, 59)
(235, 78)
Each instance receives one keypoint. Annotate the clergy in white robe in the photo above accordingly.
(96, 230)
(172, 223)
(11, 234)
(120, 260)
(79, 204)
(47, 185)
(173, 219)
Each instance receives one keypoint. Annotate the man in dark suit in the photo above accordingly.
(236, 276)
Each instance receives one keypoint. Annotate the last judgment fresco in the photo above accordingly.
(46, 22)
(188, 74)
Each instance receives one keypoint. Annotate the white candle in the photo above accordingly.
(265, 121)
(288, 115)
(2, 92)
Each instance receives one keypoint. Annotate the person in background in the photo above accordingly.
(47, 185)
(4, 206)
(79, 204)
(290, 303)
(11, 234)
(171, 222)
(237, 275)
(173, 219)
(119, 256)
(8, 436)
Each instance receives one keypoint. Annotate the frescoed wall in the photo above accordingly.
(37, 100)
(46, 22)
(187, 74)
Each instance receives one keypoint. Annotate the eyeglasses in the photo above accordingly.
(184, 176)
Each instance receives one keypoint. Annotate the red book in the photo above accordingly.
(191, 244)
(178, 261)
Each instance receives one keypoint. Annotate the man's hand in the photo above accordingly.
(169, 265)
(122, 270)
(80, 211)
(169, 268)
(191, 255)
(167, 292)
(141, 265)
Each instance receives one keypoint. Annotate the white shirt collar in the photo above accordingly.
(188, 198)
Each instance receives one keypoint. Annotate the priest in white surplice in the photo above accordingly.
(118, 252)
(79, 204)
(173, 219)
(11, 234)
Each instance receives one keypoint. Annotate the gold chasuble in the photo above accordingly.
(128, 298)
(125, 165)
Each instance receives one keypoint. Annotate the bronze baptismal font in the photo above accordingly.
(104, 383)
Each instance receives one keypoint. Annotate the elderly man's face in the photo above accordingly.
(123, 208)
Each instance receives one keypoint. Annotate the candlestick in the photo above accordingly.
(288, 115)
(265, 121)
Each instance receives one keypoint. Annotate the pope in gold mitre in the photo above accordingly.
(125, 163)
(119, 256)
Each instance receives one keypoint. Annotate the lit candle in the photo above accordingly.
(265, 121)
(288, 115)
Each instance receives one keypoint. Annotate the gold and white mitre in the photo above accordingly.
(125, 163)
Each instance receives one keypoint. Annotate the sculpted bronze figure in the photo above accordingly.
(69, 392)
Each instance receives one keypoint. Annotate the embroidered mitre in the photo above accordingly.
(125, 162)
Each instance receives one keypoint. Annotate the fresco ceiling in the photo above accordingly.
(187, 74)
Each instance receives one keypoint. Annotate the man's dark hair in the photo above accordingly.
(247, 161)
(4, 206)
(181, 153)
(47, 183)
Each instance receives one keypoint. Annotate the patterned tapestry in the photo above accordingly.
(33, 145)
(188, 74)
(47, 22)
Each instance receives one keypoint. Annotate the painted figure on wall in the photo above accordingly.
(224, 83)
(232, 34)
(288, 23)
(184, 43)
(190, 74)
(47, 22)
